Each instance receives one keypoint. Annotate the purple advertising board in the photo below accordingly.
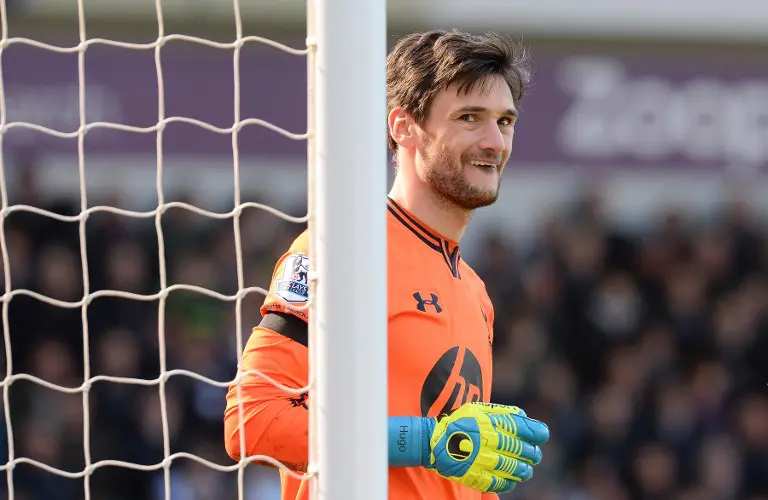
(648, 109)
(121, 86)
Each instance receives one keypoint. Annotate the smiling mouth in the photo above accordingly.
(483, 164)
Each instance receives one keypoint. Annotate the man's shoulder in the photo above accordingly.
(289, 289)
(300, 244)
(470, 275)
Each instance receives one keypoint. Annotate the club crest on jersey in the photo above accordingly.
(293, 285)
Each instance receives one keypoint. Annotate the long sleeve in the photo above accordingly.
(275, 422)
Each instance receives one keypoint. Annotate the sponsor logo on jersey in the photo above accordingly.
(422, 303)
(455, 379)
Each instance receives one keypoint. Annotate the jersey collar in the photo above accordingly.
(448, 248)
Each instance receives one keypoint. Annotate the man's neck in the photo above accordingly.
(433, 210)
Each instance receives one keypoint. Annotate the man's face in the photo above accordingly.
(466, 142)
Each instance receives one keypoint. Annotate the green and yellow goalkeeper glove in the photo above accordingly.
(487, 447)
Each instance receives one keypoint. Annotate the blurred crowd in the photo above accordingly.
(129, 339)
(646, 352)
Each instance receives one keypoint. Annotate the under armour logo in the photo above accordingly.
(421, 303)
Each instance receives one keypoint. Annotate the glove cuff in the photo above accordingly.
(427, 428)
(409, 441)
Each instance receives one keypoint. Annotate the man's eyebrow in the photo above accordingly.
(481, 109)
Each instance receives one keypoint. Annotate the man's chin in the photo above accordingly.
(479, 199)
(486, 202)
(486, 191)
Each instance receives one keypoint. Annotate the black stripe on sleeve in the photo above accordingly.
(287, 325)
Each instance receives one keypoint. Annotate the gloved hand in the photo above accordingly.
(487, 447)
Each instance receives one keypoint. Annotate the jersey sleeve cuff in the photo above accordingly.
(408, 441)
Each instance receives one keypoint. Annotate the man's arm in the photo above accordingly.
(276, 422)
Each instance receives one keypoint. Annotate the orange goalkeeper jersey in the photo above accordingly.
(440, 337)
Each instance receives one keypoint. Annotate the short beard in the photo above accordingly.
(451, 183)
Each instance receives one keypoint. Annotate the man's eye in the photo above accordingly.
(467, 118)
(506, 121)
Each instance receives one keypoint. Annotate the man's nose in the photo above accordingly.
(493, 139)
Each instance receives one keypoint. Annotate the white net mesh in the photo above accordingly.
(157, 214)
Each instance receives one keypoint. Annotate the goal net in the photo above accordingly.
(346, 161)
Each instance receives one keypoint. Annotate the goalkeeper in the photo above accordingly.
(452, 108)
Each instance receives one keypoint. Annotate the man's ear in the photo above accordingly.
(402, 128)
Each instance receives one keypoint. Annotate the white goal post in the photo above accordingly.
(347, 185)
(347, 173)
